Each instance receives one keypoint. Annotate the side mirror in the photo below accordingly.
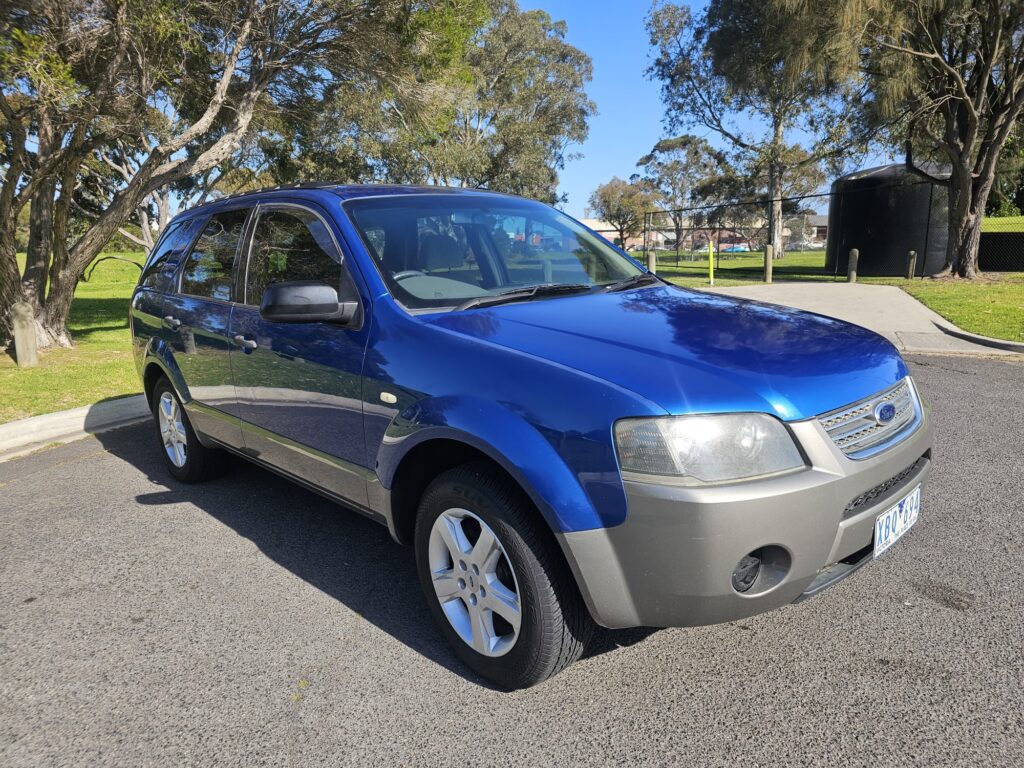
(306, 301)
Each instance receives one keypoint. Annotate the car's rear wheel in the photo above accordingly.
(187, 459)
(495, 581)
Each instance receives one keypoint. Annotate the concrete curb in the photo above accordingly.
(985, 341)
(26, 435)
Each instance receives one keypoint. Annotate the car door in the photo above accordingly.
(198, 318)
(157, 278)
(300, 384)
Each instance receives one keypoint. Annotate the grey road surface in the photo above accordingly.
(248, 622)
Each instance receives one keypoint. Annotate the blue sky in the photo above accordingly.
(628, 123)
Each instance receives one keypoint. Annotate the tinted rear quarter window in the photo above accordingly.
(159, 268)
(207, 271)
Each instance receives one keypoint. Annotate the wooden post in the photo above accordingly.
(23, 323)
(911, 264)
(769, 257)
(851, 268)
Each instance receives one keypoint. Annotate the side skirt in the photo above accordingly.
(374, 515)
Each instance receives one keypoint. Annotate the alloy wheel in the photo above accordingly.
(474, 582)
(172, 429)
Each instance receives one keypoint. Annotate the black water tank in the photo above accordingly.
(885, 212)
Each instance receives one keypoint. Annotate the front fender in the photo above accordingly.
(511, 441)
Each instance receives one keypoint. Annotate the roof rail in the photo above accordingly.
(299, 185)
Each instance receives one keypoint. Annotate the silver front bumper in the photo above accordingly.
(671, 562)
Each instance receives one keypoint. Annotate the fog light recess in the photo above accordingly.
(745, 575)
(760, 570)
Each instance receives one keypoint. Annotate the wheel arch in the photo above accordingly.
(476, 428)
(152, 374)
(159, 363)
(427, 460)
(432, 457)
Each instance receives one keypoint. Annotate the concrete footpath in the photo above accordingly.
(885, 309)
(24, 436)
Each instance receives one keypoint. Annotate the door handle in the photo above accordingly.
(245, 343)
(172, 322)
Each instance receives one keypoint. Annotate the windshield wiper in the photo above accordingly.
(524, 294)
(644, 278)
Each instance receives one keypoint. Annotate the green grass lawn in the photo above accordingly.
(992, 307)
(741, 268)
(98, 367)
(1002, 224)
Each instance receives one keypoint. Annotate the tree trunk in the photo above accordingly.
(967, 254)
(40, 244)
(145, 230)
(53, 324)
(967, 199)
(775, 186)
(163, 210)
(10, 281)
(40, 225)
(775, 209)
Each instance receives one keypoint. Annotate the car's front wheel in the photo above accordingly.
(187, 459)
(495, 581)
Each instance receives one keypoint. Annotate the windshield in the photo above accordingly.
(443, 250)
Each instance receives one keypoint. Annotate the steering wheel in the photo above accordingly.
(408, 273)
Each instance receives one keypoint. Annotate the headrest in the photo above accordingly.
(440, 252)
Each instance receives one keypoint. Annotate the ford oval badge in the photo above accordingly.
(885, 412)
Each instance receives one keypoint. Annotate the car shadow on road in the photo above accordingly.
(338, 551)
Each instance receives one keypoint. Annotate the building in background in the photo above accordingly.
(655, 239)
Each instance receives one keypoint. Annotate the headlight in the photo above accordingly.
(699, 450)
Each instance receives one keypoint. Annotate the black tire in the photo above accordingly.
(555, 624)
(201, 463)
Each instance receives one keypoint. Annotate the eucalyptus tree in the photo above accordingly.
(510, 115)
(680, 169)
(181, 83)
(720, 69)
(950, 73)
(503, 111)
(623, 204)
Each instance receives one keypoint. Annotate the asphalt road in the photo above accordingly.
(246, 621)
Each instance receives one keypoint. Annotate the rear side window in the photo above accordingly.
(291, 244)
(157, 272)
(207, 270)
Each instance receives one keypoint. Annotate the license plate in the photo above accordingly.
(893, 523)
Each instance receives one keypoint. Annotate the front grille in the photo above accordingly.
(881, 490)
(858, 434)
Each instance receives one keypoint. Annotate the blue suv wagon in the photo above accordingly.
(562, 437)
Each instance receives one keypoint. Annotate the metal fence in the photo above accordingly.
(891, 216)
(1002, 250)
(724, 230)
